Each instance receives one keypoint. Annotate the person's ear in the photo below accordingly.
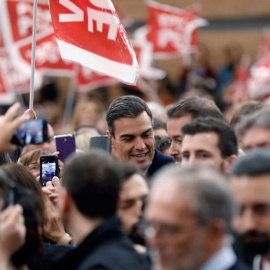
(64, 201)
(228, 163)
(216, 229)
(111, 138)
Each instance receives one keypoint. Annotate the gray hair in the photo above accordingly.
(259, 118)
(213, 197)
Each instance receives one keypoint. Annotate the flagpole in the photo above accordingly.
(34, 32)
(70, 99)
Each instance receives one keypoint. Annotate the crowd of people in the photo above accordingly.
(184, 188)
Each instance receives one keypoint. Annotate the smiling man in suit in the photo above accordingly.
(130, 129)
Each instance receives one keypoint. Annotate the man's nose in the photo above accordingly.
(174, 150)
(139, 144)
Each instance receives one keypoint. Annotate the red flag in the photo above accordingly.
(259, 83)
(16, 77)
(6, 96)
(89, 32)
(144, 55)
(20, 18)
(87, 79)
(1, 39)
(172, 31)
(17, 18)
(48, 59)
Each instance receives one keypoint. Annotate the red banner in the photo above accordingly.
(6, 95)
(88, 80)
(17, 18)
(144, 54)
(259, 83)
(15, 77)
(172, 31)
(20, 14)
(48, 59)
(89, 32)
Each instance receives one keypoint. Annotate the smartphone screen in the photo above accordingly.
(31, 132)
(48, 168)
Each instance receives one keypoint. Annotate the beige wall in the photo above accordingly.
(210, 8)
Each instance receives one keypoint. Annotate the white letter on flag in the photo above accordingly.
(102, 18)
(77, 15)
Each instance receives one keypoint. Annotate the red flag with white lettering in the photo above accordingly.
(172, 31)
(48, 59)
(89, 32)
(17, 19)
(144, 54)
(15, 77)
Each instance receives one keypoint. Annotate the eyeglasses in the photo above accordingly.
(151, 230)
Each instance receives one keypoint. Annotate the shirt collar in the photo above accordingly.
(222, 260)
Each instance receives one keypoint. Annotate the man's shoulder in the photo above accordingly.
(240, 265)
(159, 161)
(113, 256)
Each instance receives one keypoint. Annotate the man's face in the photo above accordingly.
(202, 148)
(134, 140)
(180, 242)
(174, 127)
(256, 137)
(133, 194)
(252, 224)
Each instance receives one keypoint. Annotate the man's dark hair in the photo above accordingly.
(125, 106)
(127, 169)
(93, 181)
(159, 124)
(195, 107)
(258, 119)
(254, 163)
(162, 143)
(227, 141)
(246, 108)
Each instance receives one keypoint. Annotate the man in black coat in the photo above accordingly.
(88, 203)
(130, 129)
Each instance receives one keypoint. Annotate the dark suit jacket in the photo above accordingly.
(158, 161)
(240, 265)
(106, 248)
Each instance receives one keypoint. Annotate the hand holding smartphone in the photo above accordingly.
(48, 168)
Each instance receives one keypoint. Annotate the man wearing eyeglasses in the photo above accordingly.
(189, 213)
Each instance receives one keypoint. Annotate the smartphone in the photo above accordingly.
(31, 132)
(48, 168)
(66, 145)
(101, 142)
